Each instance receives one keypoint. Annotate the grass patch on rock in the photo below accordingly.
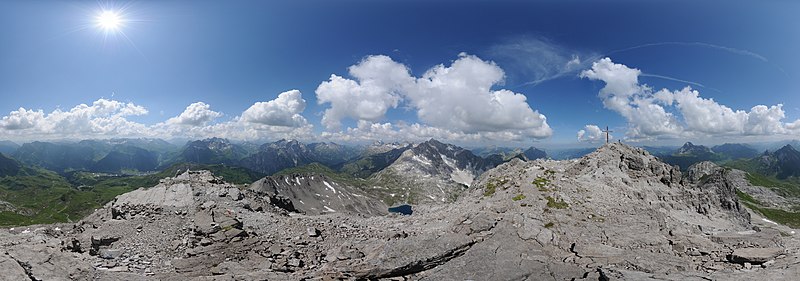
(556, 203)
(541, 183)
(491, 186)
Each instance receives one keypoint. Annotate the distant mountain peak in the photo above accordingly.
(434, 142)
(533, 153)
(784, 162)
(786, 152)
(689, 145)
(786, 148)
(690, 148)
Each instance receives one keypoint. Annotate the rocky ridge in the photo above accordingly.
(615, 214)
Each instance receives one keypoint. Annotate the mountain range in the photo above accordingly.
(113, 155)
(143, 155)
(690, 154)
(283, 154)
(209, 151)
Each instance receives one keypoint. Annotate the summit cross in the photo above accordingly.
(607, 131)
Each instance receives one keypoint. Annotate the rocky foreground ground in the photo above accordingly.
(616, 214)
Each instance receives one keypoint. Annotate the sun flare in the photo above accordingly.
(109, 21)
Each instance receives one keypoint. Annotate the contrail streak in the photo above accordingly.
(678, 80)
(695, 44)
(704, 45)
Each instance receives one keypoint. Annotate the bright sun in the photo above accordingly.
(109, 21)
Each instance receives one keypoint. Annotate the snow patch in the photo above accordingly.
(462, 176)
(448, 161)
(328, 209)
(769, 221)
(329, 186)
(422, 160)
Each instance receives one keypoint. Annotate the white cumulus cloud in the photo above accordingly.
(21, 119)
(283, 111)
(102, 118)
(379, 79)
(274, 119)
(592, 133)
(623, 94)
(461, 97)
(763, 120)
(650, 114)
(196, 114)
(793, 126)
(268, 120)
(620, 80)
(458, 98)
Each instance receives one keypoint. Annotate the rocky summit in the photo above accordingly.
(616, 214)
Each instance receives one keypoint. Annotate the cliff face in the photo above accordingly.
(315, 194)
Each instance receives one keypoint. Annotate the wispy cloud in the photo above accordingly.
(536, 60)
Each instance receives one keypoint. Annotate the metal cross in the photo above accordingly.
(607, 131)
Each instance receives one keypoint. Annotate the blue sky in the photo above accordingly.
(230, 55)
